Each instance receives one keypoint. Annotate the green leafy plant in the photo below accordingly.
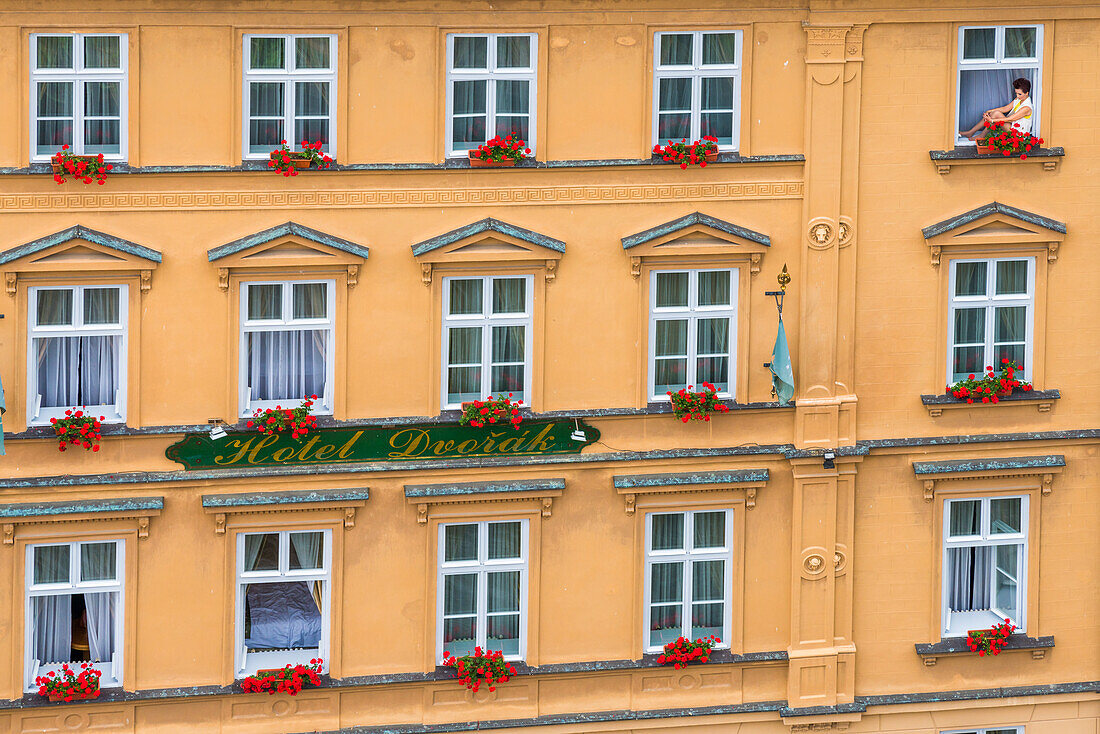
(683, 651)
(992, 386)
(283, 158)
(483, 666)
(688, 405)
(491, 411)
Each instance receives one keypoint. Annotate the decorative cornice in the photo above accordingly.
(929, 652)
(34, 513)
(283, 230)
(223, 505)
(1041, 400)
(994, 207)
(423, 496)
(692, 220)
(487, 225)
(1021, 466)
(631, 485)
(79, 232)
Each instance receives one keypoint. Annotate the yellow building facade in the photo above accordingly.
(841, 546)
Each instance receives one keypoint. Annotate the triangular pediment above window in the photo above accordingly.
(288, 245)
(78, 250)
(995, 228)
(695, 235)
(489, 241)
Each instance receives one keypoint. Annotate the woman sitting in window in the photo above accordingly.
(1018, 113)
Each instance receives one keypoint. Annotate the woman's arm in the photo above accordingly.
(1020, 114)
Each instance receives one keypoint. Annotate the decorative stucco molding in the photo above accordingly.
(631, 486)
(222, 506)
(936, 472)
(425, 496)
(139, 509)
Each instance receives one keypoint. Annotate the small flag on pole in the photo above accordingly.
(3, 409)
(780, 367)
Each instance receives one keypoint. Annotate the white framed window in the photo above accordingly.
(688, 576)
(490, 88)
(283, 599)
(697, 87)
(991, 315)
(74, 608)
(76, 351)
(287, 343)
(990, 59)
(487, 333)
(988, 730)
(692, 330)
(289, 92)
(984, 563)
(482, 593)
(78, 94)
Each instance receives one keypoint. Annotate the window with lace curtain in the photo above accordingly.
(697, 87)
(482, 596)
(283, 597)
(78, 94)
(992, 315)
(990, 59)
(688, 576)
(77, 351)
(490, 88)
(74, 608)
(289, 92)
(487, 325)
(287, 344)
(692, 330)
(984, 563)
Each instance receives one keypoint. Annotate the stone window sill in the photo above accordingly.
(930, 652)
(1042, 400)
(943, 160)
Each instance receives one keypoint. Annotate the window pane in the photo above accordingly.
(717, 93)
(52, 134)
(469, 97)
(466, 297)
(1019, 43)
(503, 592)
(513, 52)
(967, 361)
(264, 135)
(509, 295)
(459, 635)
(55, 99)
(966, 518)
(666, 583)
(717, 125)
(1004, 516)
(507, 379)
(674, 95)
(706, 620)
(267, 53)
(1005, 579)
(307, 550)
(969, 325)
(673, 127)
(1013, 352)
(504, 540)
(669, 374)
(311, 53)
(261, 552)
(460, 542)
(97, 561)
(707, 580)
(513, 96)
(469, 132)
(983, 89)
(101, 136)
(460, 593)
(508, 342)
(713, 336)
(668, 532)
(51, 564)
(464, 346)
(1011, 277)
(676, 49)
(714, 370)
(265, 301)
(502, 633)
(463, 384)
(102, 52)
(968, 572)
(719, 48)
(671, 338)
(310, 300)
(101, 99)
(55, 307)
(77, 370)
(55, 52)
(970, 279)
(979, 43)
(266, 99)
(665, 624)
(285, 365)
(714, 288)
(101, 305)
(517, 127)
(1010, 324)
(311, 98)
(672, 290)
(471, 52)
(710, 529)
(311, 130)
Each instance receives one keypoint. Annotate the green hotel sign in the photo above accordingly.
(350, 445)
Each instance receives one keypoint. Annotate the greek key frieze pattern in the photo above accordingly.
(381, 198)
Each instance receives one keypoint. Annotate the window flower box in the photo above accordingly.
(683, 651)
(288, 162)
(86, 168)
(491, 411)
(289, 680)
(499, 152)
(991, 387)
(1008, 142)
(77, 428)
(483, 666)
(700, 152)
(69, 685)
(299, 421)
(688, 405)
(990, 641)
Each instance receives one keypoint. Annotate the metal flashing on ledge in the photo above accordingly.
(33, 513)
(943, 160)
(929, 652)
(80, 232)
(487, 224)
(424, 496)
(994, 207)
(1042, 400)
(691, 220)
(632, 485)
(1044, 467)
(282, 230)
(223, 505)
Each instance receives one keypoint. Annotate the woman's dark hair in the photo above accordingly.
(1023, 85)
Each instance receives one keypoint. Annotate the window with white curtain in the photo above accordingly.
(283, 597)
(490, 88)
(692, 330)
(76, 352)
(990, 59)
(988, 730)
(688, 576)
(287, 344)
(74, 608)
(984, 563)
(992, 315)
(482, 596)
(289, 92)
(697, 87)
(486, 338)
(78, 94)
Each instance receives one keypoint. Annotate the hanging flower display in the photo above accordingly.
(688, 405)
(483, 666)
(992, 386)
(287, 680)
(683, 651)
(77, 428)
(70, 685)
(298, 421)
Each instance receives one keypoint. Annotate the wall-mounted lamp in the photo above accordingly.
(578, 434)
(217, 430)
(829, 456)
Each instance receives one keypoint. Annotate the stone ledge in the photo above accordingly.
(930, 652)
(943, 160)
(1042, 400)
